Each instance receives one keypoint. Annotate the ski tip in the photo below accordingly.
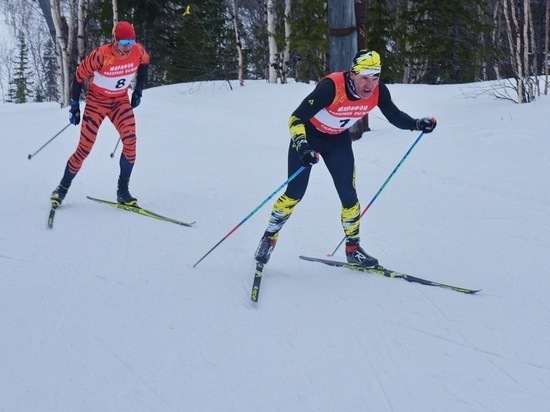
(190, 224)
(458, 289)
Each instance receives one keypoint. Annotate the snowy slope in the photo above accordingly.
(106, 313)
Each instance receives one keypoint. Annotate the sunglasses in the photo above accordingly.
(126, 42)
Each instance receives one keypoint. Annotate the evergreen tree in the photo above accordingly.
(50, 89)
(203, 45)
(20, 86)
(186, 41)
(38, 97)
(445, 43)
(309, 40)
(383, 36)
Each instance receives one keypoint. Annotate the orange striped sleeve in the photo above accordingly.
(93, 62)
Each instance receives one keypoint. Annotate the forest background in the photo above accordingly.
(420, 41)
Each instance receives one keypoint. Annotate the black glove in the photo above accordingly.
(74, 118)
(136, 98)
(426, 125)
(308, 157)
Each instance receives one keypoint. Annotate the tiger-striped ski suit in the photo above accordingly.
(109, 73)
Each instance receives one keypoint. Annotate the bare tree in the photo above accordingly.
(63, 50)
(23, 16)
(273, 51)
(533, 53)
(235, 18)
(115, 12)
(494, 35)
(6, 67)
(286, 51)
(546, 41)
(81, 19)
(528, 47)
(517, 31)
(46, 11)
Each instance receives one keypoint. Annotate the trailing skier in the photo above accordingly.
(111, 68)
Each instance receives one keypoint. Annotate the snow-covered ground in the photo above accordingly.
(106, 313)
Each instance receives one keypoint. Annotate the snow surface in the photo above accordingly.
(106, 313)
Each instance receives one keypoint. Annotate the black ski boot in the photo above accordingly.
(264, 249)
(357, 256)
(123, 195)
(58, 195)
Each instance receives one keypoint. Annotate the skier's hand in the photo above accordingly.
(74, 117)
(309, 157)
(426, 124)
(136, 98)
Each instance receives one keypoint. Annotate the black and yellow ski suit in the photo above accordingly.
(321, 123)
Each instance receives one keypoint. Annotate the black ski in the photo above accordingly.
(51, 217)
(140, 211)
(257, 281)
(382, 271)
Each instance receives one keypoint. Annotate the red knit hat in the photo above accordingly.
(124, 31)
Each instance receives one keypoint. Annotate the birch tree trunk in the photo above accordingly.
(286, 51)
(514, 40)
(63, 56)
(494, 37)
(526, 41)
(482, 40)
(81, 18)
(532, 50)
(72, 30)
(115, 12)
(45, 6)
(272, 70)
(546, 41)
(238, 40)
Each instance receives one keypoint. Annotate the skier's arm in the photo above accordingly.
(394, 115)
(321, 97)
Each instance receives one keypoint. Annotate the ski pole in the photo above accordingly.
(114, 150)
(296, 173)
(45, 144)
(382, 187)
